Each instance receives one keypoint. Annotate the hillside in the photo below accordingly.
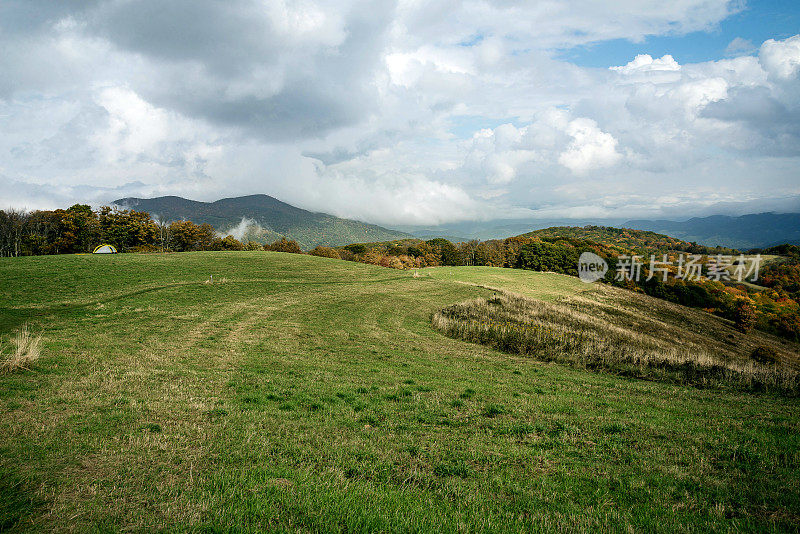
(624, 240)
(743, 232)
(265, 220)
(297, 393)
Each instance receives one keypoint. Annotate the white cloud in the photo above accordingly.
(646, 63)
(739, 46)
(781, 59)
(406, 112)
(590, 149)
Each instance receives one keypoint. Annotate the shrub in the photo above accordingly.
(766, 355)
(285, 245)
(230, 243)
(25, 352)
(326, 252)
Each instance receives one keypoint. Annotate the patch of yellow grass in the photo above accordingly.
(24, 353)
(621, 338)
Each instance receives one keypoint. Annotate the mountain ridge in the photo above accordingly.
(753, 230)
(264, 219)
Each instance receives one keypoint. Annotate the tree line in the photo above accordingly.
(79, 229)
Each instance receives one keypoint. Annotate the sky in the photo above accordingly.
(406, 112)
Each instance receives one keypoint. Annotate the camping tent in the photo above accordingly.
(105, 249)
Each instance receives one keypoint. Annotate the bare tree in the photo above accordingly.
(164, 233)
(12, 229)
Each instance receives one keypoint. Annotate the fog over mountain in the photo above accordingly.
(262, 218)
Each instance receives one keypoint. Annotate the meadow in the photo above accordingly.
(298, 393)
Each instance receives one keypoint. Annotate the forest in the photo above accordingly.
(79, 229)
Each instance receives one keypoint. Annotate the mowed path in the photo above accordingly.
(304, 393)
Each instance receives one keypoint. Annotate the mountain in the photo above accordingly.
(743, 232)
(264, 219)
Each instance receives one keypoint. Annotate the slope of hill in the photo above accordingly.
(747, 231)
(264, 219)
(302, 393)
(623, 239)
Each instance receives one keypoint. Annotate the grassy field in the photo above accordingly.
(302, 393)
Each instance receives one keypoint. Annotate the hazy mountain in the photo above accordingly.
(497, 228)
(263, 218)
(745, 231)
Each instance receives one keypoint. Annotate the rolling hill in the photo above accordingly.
(743, 232)
(264, 219)
(625, 239)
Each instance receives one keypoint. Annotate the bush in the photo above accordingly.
(231, 243)
(763, 354)
(285, 245)
(326, 252)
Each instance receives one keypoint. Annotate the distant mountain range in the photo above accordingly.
(264, 219)
(743, 232)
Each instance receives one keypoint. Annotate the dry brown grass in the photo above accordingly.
(631, 338)
(24, 352)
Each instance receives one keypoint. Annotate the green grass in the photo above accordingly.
(538, 285)
(303, 393)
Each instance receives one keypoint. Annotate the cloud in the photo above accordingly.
(500, 155)
(781, 59)
(739, 46)
(338, 108)
(246, 230)
(590, 149)
(645, 63)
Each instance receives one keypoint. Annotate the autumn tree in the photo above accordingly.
(231, 243)
(127, 230)
(744, 315)
(445, 250)
(326, 252)
(285, 245)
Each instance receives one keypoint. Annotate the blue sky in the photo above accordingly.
(756, 22)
